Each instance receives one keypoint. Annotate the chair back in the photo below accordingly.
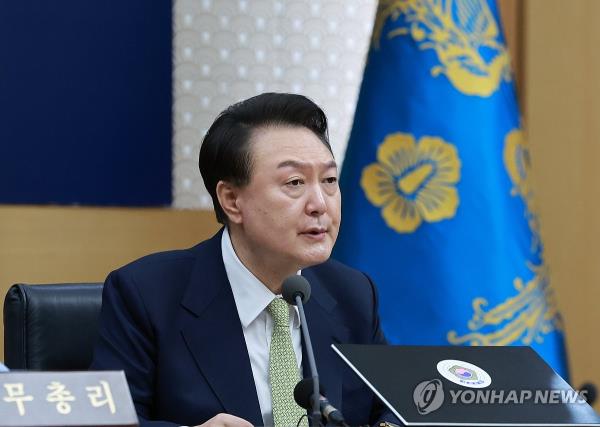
(51, 327)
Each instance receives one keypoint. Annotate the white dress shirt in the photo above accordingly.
(251, 299)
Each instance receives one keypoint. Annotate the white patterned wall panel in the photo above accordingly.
(228, 50)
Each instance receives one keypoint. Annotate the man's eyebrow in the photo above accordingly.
(303, 165)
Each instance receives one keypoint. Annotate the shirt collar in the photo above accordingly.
(250, 294)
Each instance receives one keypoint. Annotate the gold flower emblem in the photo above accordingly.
(413, 182)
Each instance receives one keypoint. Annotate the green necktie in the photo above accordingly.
(283, 368)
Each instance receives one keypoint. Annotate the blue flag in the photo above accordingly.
(437, 200)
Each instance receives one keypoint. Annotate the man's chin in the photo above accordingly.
(312, 259)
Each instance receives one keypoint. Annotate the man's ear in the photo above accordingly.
(227, 194)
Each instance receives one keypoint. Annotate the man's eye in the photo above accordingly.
(294, 182)
(331, 180)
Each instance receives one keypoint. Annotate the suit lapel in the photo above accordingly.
(214, 335)
(324, 331)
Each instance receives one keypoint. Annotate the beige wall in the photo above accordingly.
(562, 77)
(553, 45)
(69, 244)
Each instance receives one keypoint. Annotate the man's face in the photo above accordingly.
(290, 210)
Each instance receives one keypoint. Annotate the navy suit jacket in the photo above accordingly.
(170, 322)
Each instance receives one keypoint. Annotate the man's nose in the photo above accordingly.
(315, 204)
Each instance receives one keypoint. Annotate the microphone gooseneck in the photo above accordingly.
(296, 291)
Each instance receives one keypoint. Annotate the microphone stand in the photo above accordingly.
(316, 410)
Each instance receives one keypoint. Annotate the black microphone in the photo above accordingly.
(294, 286)
(302, 395)
(590, 392)
(296, 291)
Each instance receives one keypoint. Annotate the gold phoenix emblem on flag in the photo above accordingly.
(526, 317)
(413, 182)
(462, 33)
(532, 312)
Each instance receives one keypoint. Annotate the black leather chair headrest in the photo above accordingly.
(51, 327)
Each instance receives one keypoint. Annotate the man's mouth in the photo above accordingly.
(315, 231)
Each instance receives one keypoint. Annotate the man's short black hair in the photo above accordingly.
(225, 154)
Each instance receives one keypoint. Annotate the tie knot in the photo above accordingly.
(280, 312)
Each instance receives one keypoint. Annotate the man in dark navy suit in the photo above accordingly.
(202, 334)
